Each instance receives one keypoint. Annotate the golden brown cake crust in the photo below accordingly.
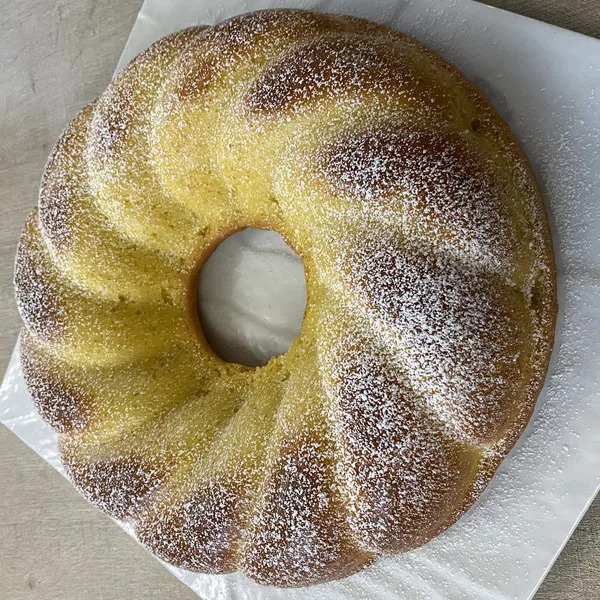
(431, 296)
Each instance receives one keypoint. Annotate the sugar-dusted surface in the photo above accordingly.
(179, 149)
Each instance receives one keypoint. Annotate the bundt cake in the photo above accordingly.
(429, 274)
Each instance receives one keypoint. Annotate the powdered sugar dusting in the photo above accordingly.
(426, 328)
(385, 432)
(435, 184)
(455, 331)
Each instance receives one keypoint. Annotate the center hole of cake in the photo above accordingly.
(251, 297)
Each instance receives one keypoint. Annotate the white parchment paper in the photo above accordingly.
(546, 83)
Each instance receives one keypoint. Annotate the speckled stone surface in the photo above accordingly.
(57, 56)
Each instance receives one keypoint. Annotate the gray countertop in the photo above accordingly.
(55, 57)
